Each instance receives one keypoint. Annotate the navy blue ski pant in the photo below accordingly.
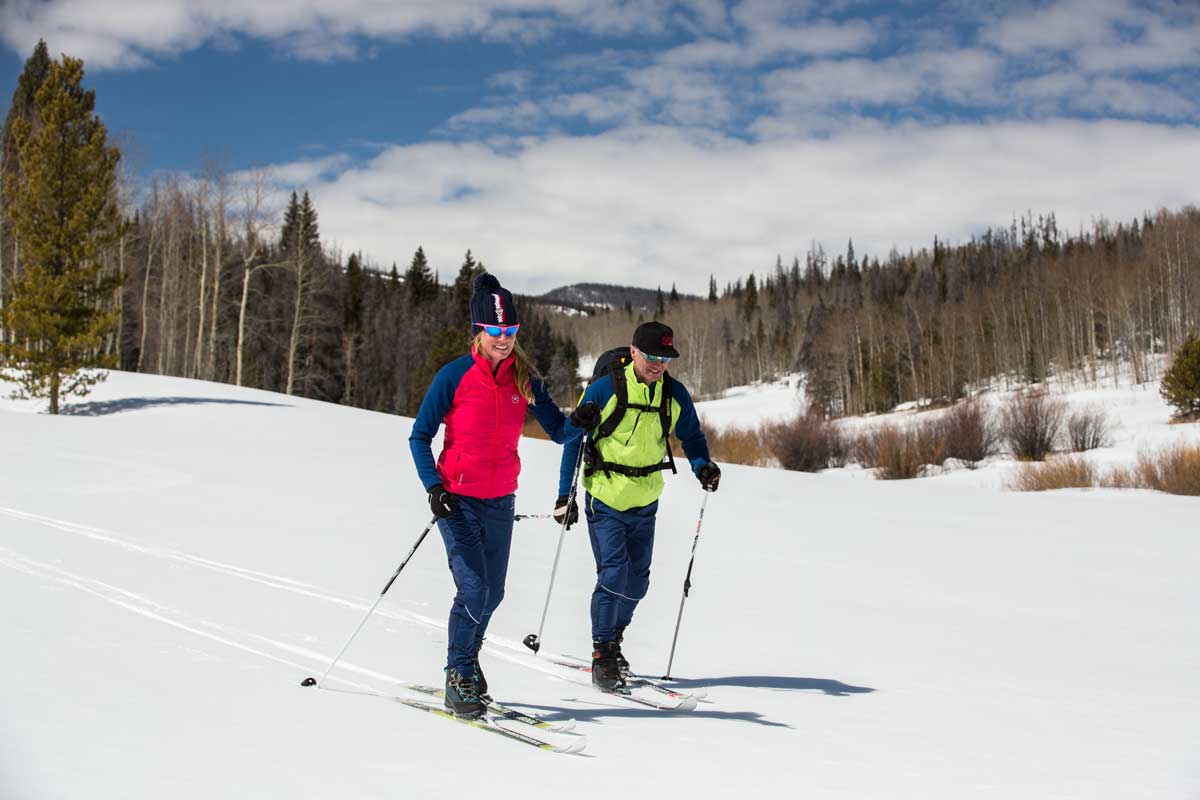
(622, 544)
(478, 537)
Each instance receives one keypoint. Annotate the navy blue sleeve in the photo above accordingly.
(546, 412)
(434, 407)
(687, 428)
(599, 393)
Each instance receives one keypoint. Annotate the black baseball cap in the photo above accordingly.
(655, 339)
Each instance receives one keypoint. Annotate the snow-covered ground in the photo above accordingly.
(179, 555)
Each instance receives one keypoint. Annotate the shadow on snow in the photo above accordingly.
(103, 407)
(826, 685)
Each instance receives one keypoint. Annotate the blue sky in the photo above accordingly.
(650, 141)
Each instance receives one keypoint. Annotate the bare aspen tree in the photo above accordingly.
(201, 200)
(155, 213)
(220, 206)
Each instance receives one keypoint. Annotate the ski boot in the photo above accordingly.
(622, 664)
(606, 674)
(462, 698)
(481, 686)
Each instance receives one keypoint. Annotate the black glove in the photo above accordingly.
(586, 417)
(709, 476)
(441, 502)
(568, 512)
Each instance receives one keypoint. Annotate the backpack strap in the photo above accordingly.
(592, 458)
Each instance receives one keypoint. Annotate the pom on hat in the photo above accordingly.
(486, 283)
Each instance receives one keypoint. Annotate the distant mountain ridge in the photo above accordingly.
(583, 296)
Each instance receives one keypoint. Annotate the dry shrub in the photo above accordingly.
(929, 440)
(738, 445)
(1070, 472)
(1121, 478)
(1088, 429)
(968, 433)
(1030, 424)
(894, 452)
(1175, 470)
(807, 443)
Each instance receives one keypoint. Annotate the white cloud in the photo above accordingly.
(655, 205)
(126, 33)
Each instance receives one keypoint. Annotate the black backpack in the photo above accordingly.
(613, 363)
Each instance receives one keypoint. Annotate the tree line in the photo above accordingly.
(1013, 305)
(195, 279)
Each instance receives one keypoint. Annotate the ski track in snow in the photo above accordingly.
(152, 609)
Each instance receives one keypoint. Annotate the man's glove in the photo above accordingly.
(709, 476)
(563, 511)
(441, 502)
(586, 417)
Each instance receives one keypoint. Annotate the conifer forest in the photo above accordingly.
(196, 276)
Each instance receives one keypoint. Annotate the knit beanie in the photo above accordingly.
(491, 303)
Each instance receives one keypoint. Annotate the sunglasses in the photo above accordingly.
(656, 359)
(497, 330)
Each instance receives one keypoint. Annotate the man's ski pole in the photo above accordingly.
(687, 586)
(534, 640)
(519, 517)
(312, 681)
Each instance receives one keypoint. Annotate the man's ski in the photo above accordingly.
(487, 724)
(504, 711)
(678, 701)
(634, 681)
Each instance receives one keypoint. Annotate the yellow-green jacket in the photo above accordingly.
(637, 441)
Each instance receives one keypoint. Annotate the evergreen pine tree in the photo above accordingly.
(24, 107)
(63, 215)
(750, 299)
(674, 293)
(418, 278)
(460, 292)
(712, 288)
(660, 306)
(1181, 384)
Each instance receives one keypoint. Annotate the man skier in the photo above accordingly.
(630, 410)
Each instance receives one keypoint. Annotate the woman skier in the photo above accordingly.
(481, 398)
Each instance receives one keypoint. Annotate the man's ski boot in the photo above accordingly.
(462, 698)
(622, 664)
(606, 673)
(481, 687)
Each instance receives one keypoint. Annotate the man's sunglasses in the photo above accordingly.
(497, 330)
(656, 359)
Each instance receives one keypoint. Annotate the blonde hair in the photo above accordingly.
(523, 371)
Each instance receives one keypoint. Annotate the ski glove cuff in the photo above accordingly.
(564, 511)
(586, 417)
(709, 476)
(441, 502)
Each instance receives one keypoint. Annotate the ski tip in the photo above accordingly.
(573, 747)
(564, 726)
(688, 704)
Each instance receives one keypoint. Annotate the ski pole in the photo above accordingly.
(310, 681)
(519, 517)
(687, 587)
(534, 640)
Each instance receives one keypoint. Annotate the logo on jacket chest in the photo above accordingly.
(516, 398)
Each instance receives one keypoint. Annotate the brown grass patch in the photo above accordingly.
(1175, 470)
(738, 446)
(1069, 472)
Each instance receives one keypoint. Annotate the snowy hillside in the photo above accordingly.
(177, 556)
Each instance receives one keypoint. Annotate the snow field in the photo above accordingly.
(176, 563)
